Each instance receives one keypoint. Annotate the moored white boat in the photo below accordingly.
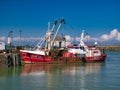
(88, 54)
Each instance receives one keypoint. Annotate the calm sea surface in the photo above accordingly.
(89, 76)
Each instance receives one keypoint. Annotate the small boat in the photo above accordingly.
(87, 53)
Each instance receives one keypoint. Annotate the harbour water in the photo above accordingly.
(85, 76)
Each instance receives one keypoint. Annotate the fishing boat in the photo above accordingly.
(40, 53)
(44, 51)
(87, 53)
(94, 55)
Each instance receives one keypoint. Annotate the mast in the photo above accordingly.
(62, 21)
(82, 44)
(48, 35)
(20, 36)
(10, 40)
(81, 39)
(55, 23)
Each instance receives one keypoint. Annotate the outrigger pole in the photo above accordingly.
(45, 36)
(62, 20)
(48, 35)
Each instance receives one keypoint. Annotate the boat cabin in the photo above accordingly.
(60, 42)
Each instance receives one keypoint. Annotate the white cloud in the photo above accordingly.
(77, 38)
(114, 35)
(3, 38)
(16, 38)
(118, 37)
(104, 37)
(89, 38)
(26, 39)
(68, 38)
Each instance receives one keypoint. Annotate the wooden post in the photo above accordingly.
(18, 60)
(14, 59)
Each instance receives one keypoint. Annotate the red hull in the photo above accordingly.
(96, 59)
(35, 58)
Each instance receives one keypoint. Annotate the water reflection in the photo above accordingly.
(42, 69)
(10, 72)
(63, 75)
(35, 69)
(72, 69)
(93, 67)
(52, 76)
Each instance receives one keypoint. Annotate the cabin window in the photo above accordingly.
(82, 48)
(95, 52)
(60, 44)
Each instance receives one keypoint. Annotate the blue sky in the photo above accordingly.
(96, 17)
